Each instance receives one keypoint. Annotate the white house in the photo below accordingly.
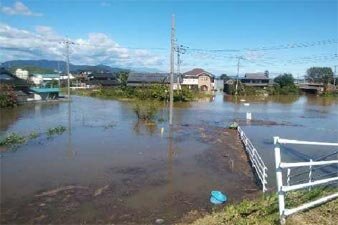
(22, 74)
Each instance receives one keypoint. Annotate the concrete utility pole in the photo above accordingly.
(335, 75)
(239, 59)
(172, 61)
(67, 43)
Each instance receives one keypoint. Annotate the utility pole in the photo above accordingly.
(172, 61)
(180, 49)
(67, 43)
(238, 63)
(335, 75)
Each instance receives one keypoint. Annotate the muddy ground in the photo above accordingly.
(111, 203)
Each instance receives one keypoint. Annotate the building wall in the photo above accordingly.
(204, 82)
(22, 74)
(190, 81)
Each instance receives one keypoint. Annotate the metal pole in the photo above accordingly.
(178, 67)
(172, 69)
(335, 75)
(239, 58)
(279, 178)
(68, 81)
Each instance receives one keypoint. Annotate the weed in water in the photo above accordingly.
(13, 139)
(56, 131)
(33, 135)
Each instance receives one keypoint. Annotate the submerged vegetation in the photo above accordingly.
(264, 210)
(56, 130)
(13, 140)
(145, 110)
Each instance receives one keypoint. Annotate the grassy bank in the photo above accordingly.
(264, 211)
(154, 92)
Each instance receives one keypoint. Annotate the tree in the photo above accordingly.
(266, 73)
(123, 79)
(320, 74)
(224, 77)
(285, 80)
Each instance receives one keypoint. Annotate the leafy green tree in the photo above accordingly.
(266, 73)
(285, 84)
(284, 80)
(224, 77)
(320, 74)
(123, 79)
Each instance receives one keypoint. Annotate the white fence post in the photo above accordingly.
(279, 178)
(282, 190)
(256, 161)
(288, 177)
(310, 174)
(264, 180)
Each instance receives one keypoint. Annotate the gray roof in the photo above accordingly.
(256, 76)
(159, 78)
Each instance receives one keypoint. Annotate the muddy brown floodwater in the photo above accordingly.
(109, 168)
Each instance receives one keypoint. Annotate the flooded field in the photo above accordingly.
(109, 168)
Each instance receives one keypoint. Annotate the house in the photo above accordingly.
(22, 74)
(256, 80)
(199, 79)
(43, 79)
(102, 79)
(20, 86)
(147, 79)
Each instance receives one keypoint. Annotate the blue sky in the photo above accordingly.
(102, 25)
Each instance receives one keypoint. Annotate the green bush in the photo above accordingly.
(153, 92)
(8, 97)
(145, 110)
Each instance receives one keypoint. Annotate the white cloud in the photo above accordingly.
(18, 8)
(96, 48)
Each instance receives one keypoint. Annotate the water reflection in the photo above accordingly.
(70, 152)
(282, 99)
(145, 127)
(323, 101)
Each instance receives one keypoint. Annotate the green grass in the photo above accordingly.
(264, 210)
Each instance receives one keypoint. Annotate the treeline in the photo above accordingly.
(284, 84)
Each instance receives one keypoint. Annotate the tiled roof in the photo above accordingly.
(256, 76)
(149, 78)
(196, 72)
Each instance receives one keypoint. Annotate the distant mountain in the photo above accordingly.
(54, 65)
(58, 65)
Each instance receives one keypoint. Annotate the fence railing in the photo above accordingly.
(255, 159)
(282, 189)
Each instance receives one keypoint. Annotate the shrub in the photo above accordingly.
(145, 110)
(8, 97)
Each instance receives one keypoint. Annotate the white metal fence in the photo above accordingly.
(282, 189)
(256, 160)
